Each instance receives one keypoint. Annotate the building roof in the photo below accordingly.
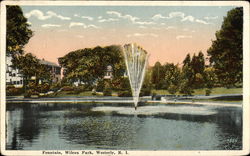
(48, 63)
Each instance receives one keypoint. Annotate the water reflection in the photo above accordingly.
(76, 126)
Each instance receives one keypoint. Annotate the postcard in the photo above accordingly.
(127, 78)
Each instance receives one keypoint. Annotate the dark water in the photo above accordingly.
(78, 127)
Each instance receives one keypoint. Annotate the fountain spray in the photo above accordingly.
(136, 60)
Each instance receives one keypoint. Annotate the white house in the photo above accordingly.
(13, 76)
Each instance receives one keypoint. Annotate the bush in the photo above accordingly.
(145, 92)
(100, 86)
(67, 88)
(124, 93)
(107, 92)
(44, 88)
(208, 92)
(12, 91)
(172, 89)
(55, 86)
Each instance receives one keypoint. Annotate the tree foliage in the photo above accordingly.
(226, 53)
(18, 31)
(90, 64)
(29, 66)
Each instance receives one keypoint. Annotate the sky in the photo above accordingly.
(167, 33)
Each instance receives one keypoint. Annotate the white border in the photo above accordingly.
(246, 65)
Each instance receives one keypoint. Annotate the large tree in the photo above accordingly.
(29, 66)
(90, 64)
(18, 31)
(226, 53)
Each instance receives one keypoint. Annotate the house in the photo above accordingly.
(109, 73)
(14, 77)
(54, 69)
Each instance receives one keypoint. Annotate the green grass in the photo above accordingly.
(65, 94)
(202, 91)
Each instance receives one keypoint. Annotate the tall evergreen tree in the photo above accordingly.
(226, 53)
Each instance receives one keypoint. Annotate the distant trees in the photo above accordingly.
(225, 56)
(226, 53)
(183, 79)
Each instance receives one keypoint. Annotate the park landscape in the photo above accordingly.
(88, 89)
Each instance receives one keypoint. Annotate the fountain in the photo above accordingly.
(136, 60)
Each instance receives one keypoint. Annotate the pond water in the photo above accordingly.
(82, 126)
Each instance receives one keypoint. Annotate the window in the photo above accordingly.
(14, 82)
(18, 82)
(21, 81)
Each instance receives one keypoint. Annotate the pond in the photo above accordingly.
(89, 126)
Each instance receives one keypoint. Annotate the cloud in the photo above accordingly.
(211, 18)
(158, 16)
(99, 17)
(38, 14)
(108, 20)
(120, 15)
(142, 35)
(176, 14)
(76, 15)
(179, 15)
(182, 37)
(88, 17)
(188, 18)
(73, 24)
(201, 21)
(50, 25)
(53, 14)
(41, 16)
(144, 22)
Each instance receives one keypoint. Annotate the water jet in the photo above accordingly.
(136, 60)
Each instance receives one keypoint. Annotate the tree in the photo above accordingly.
(90, 65)
(172, 77)
(29, 66)
(187, 76)
(226, 53)
(198, 66)
(18, 32)
(158, 75)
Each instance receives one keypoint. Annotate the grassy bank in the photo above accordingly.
(214, 91)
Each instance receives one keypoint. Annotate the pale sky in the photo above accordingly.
(168, 33)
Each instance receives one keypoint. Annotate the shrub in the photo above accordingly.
(107, 92)
(172, 89)
(55, 86)
(208, 92)
(100, 86)
(67, 88)
(145, 91)
(124, 93)
(12, 91)
(44, 88)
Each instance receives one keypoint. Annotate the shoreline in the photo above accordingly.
(172, 102)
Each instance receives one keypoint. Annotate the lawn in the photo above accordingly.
(65, 94)
(215, 91)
